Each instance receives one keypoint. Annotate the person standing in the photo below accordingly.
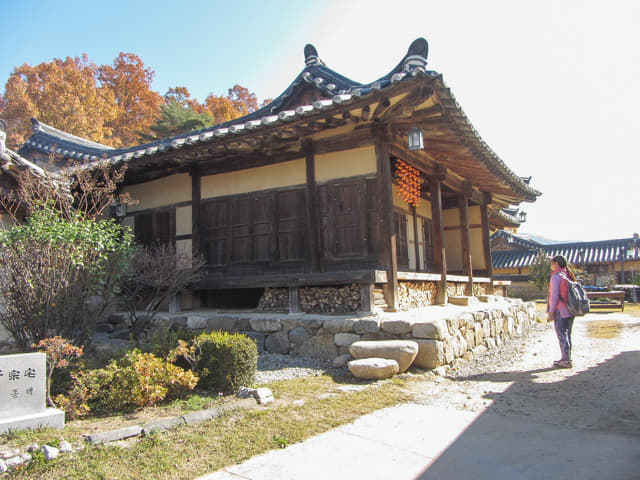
(557, 308)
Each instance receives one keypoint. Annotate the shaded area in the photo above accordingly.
(576, 438)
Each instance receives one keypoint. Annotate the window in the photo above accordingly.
(156, 228)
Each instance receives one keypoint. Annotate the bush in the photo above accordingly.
(137, 380)
(58, 275)
(223, 361)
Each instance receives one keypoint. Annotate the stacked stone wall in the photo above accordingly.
(441, 337)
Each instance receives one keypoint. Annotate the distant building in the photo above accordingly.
(604, 262)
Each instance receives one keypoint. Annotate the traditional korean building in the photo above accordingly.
(602, 263)
(319, 192)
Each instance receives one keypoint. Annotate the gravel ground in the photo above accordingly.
(273, 367)
(600, 392)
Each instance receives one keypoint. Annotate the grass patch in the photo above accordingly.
(191, 451)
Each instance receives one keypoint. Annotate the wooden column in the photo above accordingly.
(465, 241)
(486, 242)
(196, 223)
(294, 300)
(313, 217)
(384, 194)
(416, 239)
(439, 258)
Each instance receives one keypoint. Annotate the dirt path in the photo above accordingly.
(601, 391)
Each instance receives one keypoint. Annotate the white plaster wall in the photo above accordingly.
(452, 245)
(159, 193)
(477, 249)
(183, 221)
(255, 179)
(345, 164)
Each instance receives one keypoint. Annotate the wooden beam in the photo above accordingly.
(486, 243)
(465, 242)
(382, 107)
(313, 217)
(385, 207)
(439, 257)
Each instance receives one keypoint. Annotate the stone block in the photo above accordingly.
(265, 325)
(311, 325)
(113, 435)
(320, 346)
(460, 301)
(430, 354)
(277, 342)
(436, 330)
(345, 339)
(402, 351)
(196, 322)
(373, 368)
(339, 325)
(23, 394)
(225, 324)
(479, 334)
(396, 327)
(508, 327)
(341, 361)
(367, 325)
(298, 336)
(162, 425)
(193, 418)
(453, 324)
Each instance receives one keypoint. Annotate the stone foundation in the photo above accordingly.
(442, 332)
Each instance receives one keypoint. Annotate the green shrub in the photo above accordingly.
(137, 380)
(223, 361)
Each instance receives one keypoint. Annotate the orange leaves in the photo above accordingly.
(137, 104)
(110, 104)
(61, 93)
(408, 179)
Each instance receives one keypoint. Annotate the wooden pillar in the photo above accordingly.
(294, 300)
(416, 239)
(439, 258)
(313, 217)
(465, 242)
(196, 223)
(384, 194)
(367, 297)
(486, 241)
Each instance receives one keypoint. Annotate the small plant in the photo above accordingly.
(59, 351)
(281, 441)
(223, 361)
(540, 270)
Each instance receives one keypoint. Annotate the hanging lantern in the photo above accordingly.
(415, 139)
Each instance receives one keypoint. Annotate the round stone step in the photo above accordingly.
(373, 368)
(403, 352)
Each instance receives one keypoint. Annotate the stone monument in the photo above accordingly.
(23, 380)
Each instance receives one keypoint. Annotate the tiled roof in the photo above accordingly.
(577, 253)
(339, 91)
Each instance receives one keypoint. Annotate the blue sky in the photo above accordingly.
(551, 86)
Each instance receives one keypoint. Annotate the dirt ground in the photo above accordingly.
(600, 392)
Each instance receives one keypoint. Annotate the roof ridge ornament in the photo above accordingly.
(311, 55)
(416, 55)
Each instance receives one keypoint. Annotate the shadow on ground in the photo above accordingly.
(576, 438)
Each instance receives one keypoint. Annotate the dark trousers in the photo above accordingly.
(563, 331)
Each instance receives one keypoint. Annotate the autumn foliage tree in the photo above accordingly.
(110, 104)
(62, 93)
(137, 105)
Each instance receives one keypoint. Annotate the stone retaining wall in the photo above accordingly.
(443, 333)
